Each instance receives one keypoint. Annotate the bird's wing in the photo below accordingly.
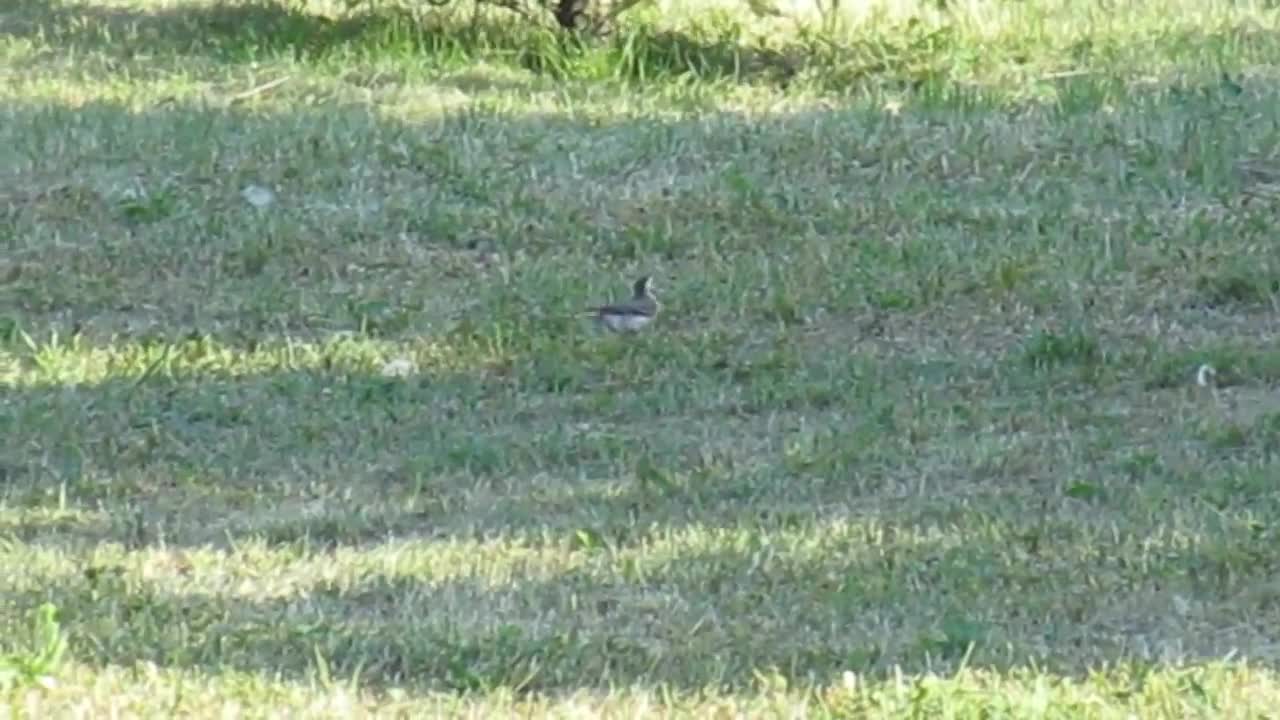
(621, 309)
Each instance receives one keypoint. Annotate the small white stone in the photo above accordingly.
(258, 196)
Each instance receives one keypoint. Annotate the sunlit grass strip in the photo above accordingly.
(1226, 690)
(254, 570)
(68, 361)
(995, 46)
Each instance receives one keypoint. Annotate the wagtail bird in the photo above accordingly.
(631, 315)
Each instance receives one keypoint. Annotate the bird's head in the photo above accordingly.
(644, 286)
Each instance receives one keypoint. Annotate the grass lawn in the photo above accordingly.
(299, 416)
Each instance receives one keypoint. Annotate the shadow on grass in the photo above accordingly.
(351, 458)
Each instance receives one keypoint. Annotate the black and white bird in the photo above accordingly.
(633, 314)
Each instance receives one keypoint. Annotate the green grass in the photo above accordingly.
(917, 433)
